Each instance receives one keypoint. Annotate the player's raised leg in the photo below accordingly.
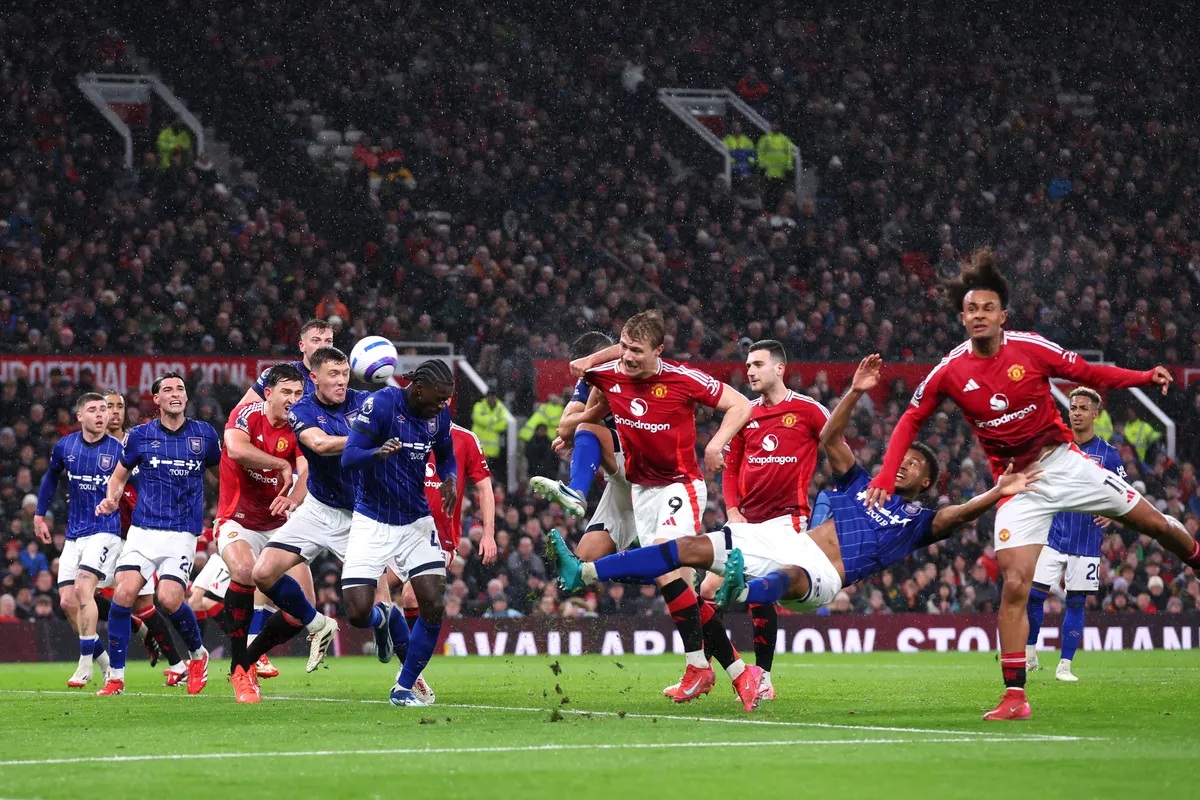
(271, 576)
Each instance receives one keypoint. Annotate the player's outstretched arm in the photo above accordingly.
(1070, 365)
(924, 400)
(581, 365)
(360, 449)
(866, 378)
(1010, 483)
(576, 414)
(737, 410)
(321, 442)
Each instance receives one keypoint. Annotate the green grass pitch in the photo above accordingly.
(894, 725)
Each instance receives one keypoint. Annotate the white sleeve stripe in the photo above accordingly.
(1033, 338)
(707, 381)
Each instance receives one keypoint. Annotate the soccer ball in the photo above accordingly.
(373, 359)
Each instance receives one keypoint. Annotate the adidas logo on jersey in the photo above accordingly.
(616, 389)
(753, 424)
(971, 385)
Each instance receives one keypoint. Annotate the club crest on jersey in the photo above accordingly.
(196, 444)
(770, 442)
(638, 406)
(998, 402)
(1005, 535)
(789, 420)
(658, 390)
(432, 425)
(280, 445)
(912, 509)
(106, 462)
(1016, 372)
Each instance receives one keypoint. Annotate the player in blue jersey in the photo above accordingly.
(390, 441)
(171, 454)
(87, 458)
(804, 571)
(1072, 554)
(321, 422)
(315, 334)
(592, 445)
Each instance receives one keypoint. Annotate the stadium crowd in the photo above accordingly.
(525, 194)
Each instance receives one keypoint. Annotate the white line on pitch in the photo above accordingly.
(583, 712)
(484, 750)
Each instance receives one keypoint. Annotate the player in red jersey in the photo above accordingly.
(472, 463)
(1001, 381)
(768, 468)
(653, 403)
(257, 462)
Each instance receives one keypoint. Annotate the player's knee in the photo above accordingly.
(170, 595)
(264, 575)
(431, 609)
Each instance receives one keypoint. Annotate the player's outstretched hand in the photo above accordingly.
(866, 377)
(1162, 377)
(1102, 522)
(579, 366)
(1011, 483)
(286, 479)
(487, 549)
(106, 507)
(449, 490)
(561, 447)
(282, 505)
(714, 459)
(876, 497)
(387, 448)
(41, 529)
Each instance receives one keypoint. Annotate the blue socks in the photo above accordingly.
(288, 595)
(90, 646)
(420, 649)
(1035, 609)
(261, 614)
(119, 631)
(184, 620)
(769, 589)
(399, 628)
(585, 460)
(641, 562)
(1072, 627)
(376, 618)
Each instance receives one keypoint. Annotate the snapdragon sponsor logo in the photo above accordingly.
(637, 424)
(1007, 418)
(764, 460)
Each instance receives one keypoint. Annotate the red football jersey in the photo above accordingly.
(246, 494)
(125, 507)
(771, 461)
(656, 419)
(468, 453)
(1006, 398)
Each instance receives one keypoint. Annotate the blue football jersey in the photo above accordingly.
(1076, 534)
(88, 466)
(328, 481)
(392, 490)
(260, 385)
(171, 467)
(873, 539)
(583, 390)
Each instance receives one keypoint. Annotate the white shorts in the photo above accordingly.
(229, 531)
(96, 554)
(1082, 572)
(1070, 482)
(170, 554)
(372, 544)
(312, 528)
(614, 512)
(774, 545)
(668, 512)
(214, 578)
